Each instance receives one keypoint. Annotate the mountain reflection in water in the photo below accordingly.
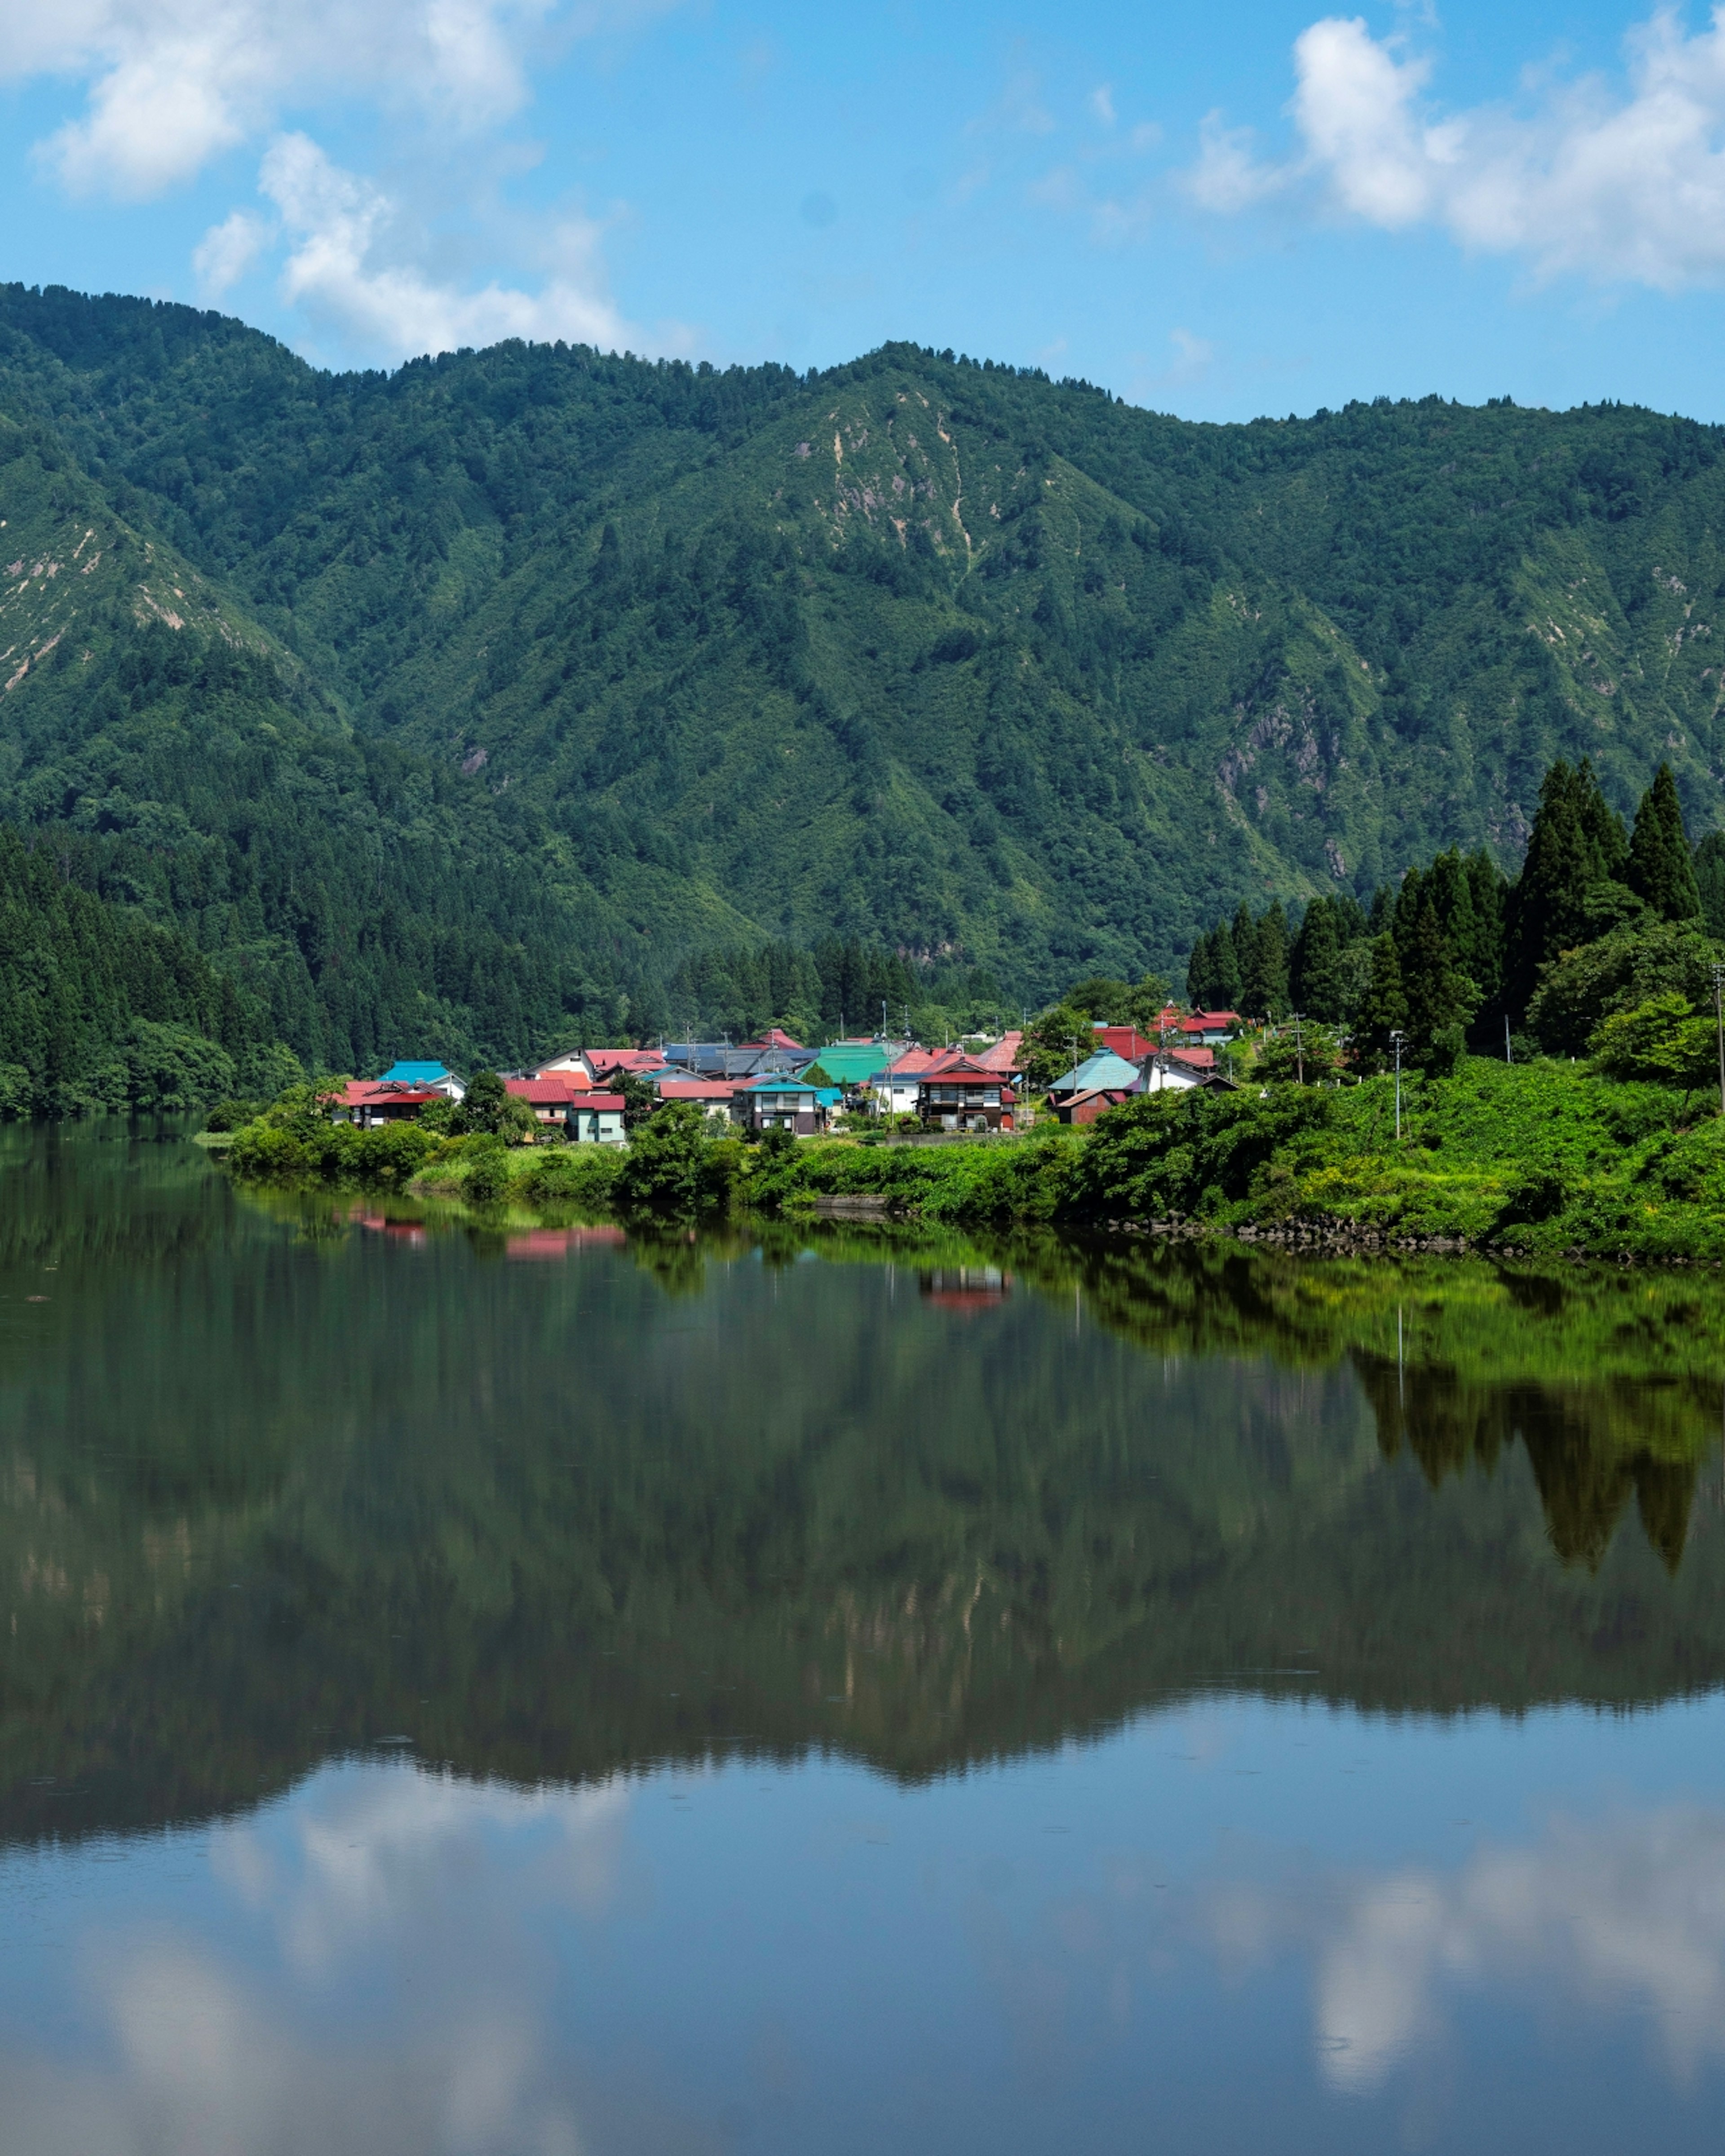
(278, 1481)
(615, 1691)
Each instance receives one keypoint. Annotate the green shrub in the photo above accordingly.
(572, 1175)
(676, 1165)
(1662, 1039)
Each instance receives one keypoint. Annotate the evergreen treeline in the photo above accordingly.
(100, 1008)
(1456, 952)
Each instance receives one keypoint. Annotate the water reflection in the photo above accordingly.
(277, 1480)
(524, 1687)
(1203, 1922)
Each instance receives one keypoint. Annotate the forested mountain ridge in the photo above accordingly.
(940, 655)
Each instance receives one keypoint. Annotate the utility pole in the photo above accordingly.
(1299, 1051)
(1719, 1015)
(1507, 1057)
(1397, 1039)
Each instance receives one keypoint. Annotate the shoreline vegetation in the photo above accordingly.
(1545, 1159)
(1367, 1123)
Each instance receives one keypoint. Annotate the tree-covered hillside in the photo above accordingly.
(560, 668)
(100, 1009)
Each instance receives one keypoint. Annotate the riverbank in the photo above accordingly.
(1549, 1160)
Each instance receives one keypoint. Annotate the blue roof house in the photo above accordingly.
(1104, 1070)
(432, 1076)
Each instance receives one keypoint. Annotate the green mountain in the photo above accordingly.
(465, 706)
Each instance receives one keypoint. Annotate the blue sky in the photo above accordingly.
(1218, 211)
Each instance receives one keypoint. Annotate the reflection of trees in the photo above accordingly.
(1590, 1448)
(833, 1514)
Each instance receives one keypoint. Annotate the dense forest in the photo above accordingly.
(1607, 941)
(532, 692)
(100, 1009)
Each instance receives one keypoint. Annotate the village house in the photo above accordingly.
(960, 1095)
(754, 1059)
(1105, 1070)
(549, 1098)
(368, 1103)
(596, 1065)
(895, 1090)
(784, 1102)
(713, 1096)
(595, 1119)
(432, 1077)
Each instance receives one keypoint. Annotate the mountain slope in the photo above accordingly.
(941, 655)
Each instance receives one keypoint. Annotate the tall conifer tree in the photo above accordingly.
(1661, 870)
(1315, 971)
(1264, 983)
(1384, 1007)
(1576, 843)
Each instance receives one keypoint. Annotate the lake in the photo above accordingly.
(527, 1688)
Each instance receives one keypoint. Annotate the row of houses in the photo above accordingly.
(776, 1084)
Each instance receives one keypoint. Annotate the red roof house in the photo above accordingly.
(369, 1102)
(549, 1098)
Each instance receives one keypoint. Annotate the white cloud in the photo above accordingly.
(1622, 184)
(173, 83)
(1101, 103)
(1620, 1915)
(1227, 176)
(194, 2045)
(227, 250)
(340, 270)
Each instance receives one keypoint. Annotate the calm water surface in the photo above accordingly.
(533, 1691)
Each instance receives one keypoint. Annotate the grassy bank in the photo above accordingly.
(1547, 1157)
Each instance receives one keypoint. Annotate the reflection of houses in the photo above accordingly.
(968, 1288)
(412, 1233)
(558, 1242)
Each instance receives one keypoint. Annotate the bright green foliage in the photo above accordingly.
(1660, 870)
(1307, 1055)
(1620, 971)
(676, 1165)
(1663, 1039)
(1538, 1155)
(488, 1109)
(294, 1139)
(1056, 1043)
